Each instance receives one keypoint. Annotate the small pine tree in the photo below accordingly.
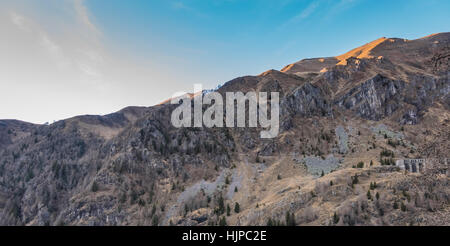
(336, 218)
(223, 221)
(235, 189)
(377, 195)
(155, 221)
(395, 206)
(228, 210)
(403, 207)
(94, 187)
(323, 174)
(331, 183)
(236, 208)
(369, 196)
(290, 219)
(221, 208)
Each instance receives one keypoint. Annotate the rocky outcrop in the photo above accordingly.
(307, 100)
(374, 99)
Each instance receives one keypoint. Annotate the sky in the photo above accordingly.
(62, 58)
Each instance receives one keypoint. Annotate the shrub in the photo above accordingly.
(403, 207)
(393, 143)
(222, 222)
(387, 162)
(360, 164)
(395, 206)
(386, 153)
(141, 202)
(155, 221)
(94, 187)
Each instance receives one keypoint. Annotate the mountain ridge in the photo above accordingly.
(133, 167)
(362, 52)
(317, 64)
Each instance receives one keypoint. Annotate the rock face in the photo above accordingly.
(306, 100)
(374, 99)
(134, 168)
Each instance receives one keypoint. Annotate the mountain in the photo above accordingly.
(344, 121)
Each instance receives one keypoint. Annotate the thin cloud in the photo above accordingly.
(344, 4)
(78, 54)
(42, 38)
(19, 21)
(178, 5)
(341, 6)
(306, 12)
(83, 15)
(302, 15)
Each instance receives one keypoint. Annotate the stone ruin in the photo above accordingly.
(412, 165)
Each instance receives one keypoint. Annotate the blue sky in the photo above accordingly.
(97, 56)
(226, 38)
